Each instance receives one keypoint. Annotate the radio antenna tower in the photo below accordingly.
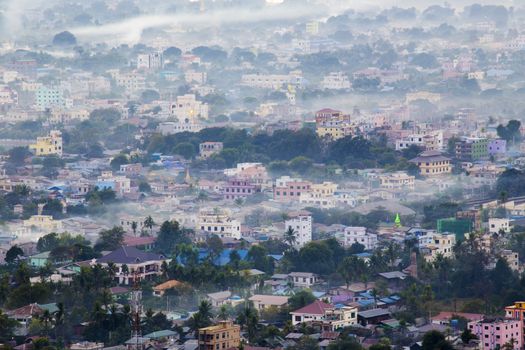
(136, 311)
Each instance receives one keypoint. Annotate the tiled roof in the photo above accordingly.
(130, 255)
(316, 308)
(26, 311)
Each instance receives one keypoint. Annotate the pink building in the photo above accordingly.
(289, 189)
(238, 188)
(494, 333)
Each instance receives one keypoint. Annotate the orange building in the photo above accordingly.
(516, 312)
(224, 335)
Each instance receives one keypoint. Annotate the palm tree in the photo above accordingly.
(205, 309)
(46, 319)
(59, 318)
(149, 223)
(134, 226)
(223, 313)
(289, 237)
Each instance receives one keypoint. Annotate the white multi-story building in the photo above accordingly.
(302, 226)
(131, 82)
(499, 224)
(433, 244)
(358, 234)
(150, 61)
(187, 107)
(219, 222)
(431, 141)
(192, 76)
(168, 128)
(397, 181)
(336, 81)
(272, 81)
(46, 97)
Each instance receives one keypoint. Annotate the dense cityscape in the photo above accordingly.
(262, 174)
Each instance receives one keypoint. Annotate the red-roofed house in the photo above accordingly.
(328, 316)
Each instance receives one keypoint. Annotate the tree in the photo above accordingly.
(300, 299)
(248, 319)
(290, 237)
(384, 344)
(18, 155)
(215, 246)
(119, 160)
(134, 226)
(7, 327)
(467, 336)
(111, 239)
(305, 343)
(64, 39)
(169, 236)
(149, 223)
(352, 268)
(435, 340)
(48, 242)
(13, 253)
(185, 149)
(301, 164)
(148, 96)
(511, 132)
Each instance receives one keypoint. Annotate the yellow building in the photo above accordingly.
(48, 145)
(312, 27)
(225, 335)
(432, 163)
(44, 223)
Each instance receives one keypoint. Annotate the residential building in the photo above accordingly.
(301, 224)
(322, 195)
(470, 149)
(434, 244)
(512, 259)
(429, 141)
(261, 302)
(170, 128)
(495, 333)
(288, 189)
(255, 172)
(207, 149)
(517, 312)
(219, 222)
(336, 81)
(133, 264)
(497, 225)
(44, 223)
(49, 97)
(85, 345)
(225, 335)
(238, 188)
(272, 81)
(192, 76)
(333, 124)
(48, 145)
(497, 147)
(303, 279)
(432, 163)
(397, 181)
(150, 61)
(131, 82)
(328, 316)
(357, 234)
(120, 184)
(160, 289)
(186, 107)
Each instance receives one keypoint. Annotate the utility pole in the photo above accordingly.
(136, 310)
